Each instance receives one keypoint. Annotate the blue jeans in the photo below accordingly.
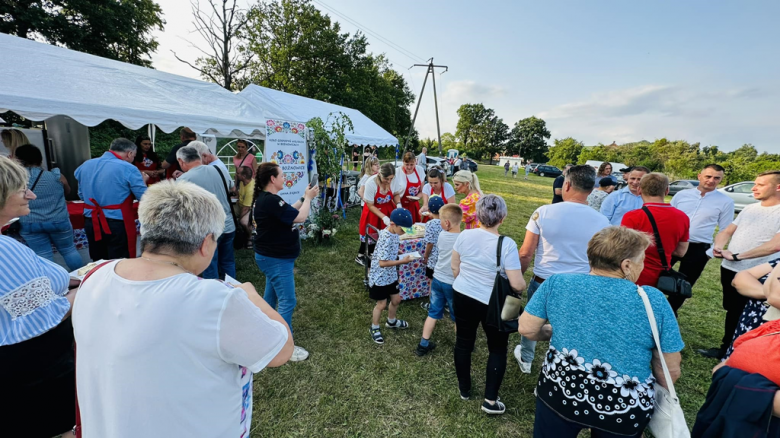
(441, 295)
(279, 285)
(40, 236)
(529, 346)
(224, 261)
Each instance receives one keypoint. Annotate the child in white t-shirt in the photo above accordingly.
(383, 275)
(450, 217)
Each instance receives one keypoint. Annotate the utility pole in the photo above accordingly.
(430, 66)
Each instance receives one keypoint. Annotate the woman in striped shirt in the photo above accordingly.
(36, 336)
(48, 221)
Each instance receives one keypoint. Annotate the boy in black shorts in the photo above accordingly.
(383, 275)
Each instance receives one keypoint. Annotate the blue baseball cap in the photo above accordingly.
(401, 217)
(435, 203)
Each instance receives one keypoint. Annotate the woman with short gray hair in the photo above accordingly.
(154, 339)
(602, 366)
(474, 268)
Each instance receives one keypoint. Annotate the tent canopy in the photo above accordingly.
(303, 109)
(43, 81)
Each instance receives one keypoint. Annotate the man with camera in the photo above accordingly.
(671, 227)
(753, 239)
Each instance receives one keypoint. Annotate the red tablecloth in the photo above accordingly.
(76, 213)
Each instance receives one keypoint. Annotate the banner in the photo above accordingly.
(285, 145)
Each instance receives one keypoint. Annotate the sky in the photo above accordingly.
(597, 71)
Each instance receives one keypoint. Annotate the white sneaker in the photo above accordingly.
(524, 367)
(299, 354)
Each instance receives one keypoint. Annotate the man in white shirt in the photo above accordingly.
(559, 235)
(753, 239)
(208, 158)
(707, 208)
(422, 159)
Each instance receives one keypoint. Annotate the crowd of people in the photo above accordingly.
(597, 256)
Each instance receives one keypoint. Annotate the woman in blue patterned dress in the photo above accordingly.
(602, 366)
(36, 335)
(750, 283)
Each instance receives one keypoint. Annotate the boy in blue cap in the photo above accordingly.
(383, 275)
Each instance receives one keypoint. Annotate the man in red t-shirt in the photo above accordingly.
(672, 225)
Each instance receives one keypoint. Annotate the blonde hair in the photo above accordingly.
(13, 138)
(465, 176)
(13, 177)
(367, 165)
(386, 171)
(654, 184)
(452, 213)
(609, 247)
(176, 216)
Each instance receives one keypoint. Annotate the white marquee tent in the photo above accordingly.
(42, 81)
(303, 109)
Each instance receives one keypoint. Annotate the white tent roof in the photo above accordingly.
(42, 80)
(302, 109)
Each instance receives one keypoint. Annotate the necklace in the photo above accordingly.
(166, 262)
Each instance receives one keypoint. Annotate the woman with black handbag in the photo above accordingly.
(474, 268)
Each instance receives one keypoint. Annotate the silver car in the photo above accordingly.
(741, 193)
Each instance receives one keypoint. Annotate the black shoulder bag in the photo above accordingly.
(670, 281)
(239, 240)
(504, 307)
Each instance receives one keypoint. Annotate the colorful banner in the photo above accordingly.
(285, 145)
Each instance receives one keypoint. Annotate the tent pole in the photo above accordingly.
(151, 130)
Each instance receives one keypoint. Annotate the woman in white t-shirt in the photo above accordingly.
(474, 269)
(409, 180)
(437, 186)
(370, 168)
(162, 352)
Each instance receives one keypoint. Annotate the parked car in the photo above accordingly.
(547, 170)
(469, 164)
(620, 181)
(440, 163)
(741, 193)
(682, 184)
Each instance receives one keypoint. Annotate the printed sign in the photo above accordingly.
(285, 145)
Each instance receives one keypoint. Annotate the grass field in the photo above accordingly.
(350, 386)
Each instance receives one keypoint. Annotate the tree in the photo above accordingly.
(114, 29)
(480, 131)
(564, 152)
(299, 50)
(497, 136)
(220, 25)
(529, 139)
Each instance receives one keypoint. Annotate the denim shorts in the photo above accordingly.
(441, 295)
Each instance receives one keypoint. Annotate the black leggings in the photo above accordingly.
(362, 250)
(469, 313)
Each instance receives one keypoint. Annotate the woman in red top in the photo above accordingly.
(380, 202)
(147, 161)
(437, 186)
(410, 179)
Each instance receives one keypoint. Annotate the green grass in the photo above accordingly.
(350, 386)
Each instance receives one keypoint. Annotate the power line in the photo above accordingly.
(366, 30)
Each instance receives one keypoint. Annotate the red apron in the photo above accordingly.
(382, 201)
(427, 218)
(99, 220)
(128, 218)
(412, 190)
(147, 164)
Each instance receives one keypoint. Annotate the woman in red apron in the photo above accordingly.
(380, 202)
(412, 175)
(146, 160)
(437, 186)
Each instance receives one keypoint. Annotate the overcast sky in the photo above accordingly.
(598, 71)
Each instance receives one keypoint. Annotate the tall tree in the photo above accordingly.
(529, 139)
(563, 152)
(299, 50)
(115, 29)
(220, 25)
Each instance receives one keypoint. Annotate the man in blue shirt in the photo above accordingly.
(626, 199)
(107, 186)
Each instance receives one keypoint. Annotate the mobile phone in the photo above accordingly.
(314, 181)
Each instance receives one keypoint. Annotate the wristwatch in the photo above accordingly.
(303, 198)
(735, 258)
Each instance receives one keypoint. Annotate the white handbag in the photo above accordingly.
(668, 420)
